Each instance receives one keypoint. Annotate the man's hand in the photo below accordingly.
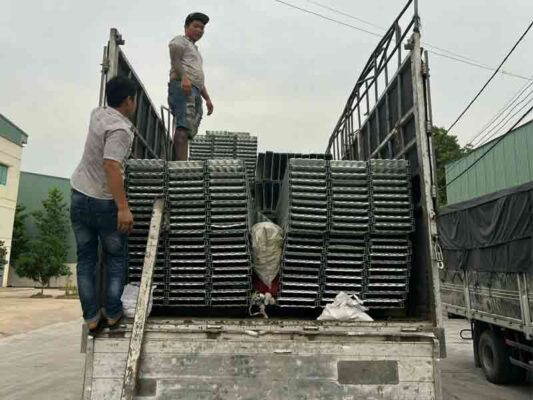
(124, 220)
(210, 107)
(186, 85)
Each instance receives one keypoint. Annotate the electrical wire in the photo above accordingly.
(513, 100)
(491, 78)
(451, 55)
(494, 131)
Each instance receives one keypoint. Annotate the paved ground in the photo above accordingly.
(40, 354)
(461, 380)
(19, 313)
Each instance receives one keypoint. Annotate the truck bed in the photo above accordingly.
(274, 359)
(504, 299)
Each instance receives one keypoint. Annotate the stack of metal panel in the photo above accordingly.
(349, 217)
(269, 172)
(201, 148)
(303, 214)
(223, 146)
(390, 188)
(345, 266)
(228, 226)
(350, 198)
(145, 181)
(388, 271)
(246, 150)
(226, 145)
(187, 253)
(389, 244)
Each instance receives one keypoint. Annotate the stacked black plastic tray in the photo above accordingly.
(188, 282)
(228, 224)
(349, 217)
(145, 181)
(389, 245)
(303, 214)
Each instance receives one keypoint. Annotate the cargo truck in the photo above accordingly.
(488, 278)
(292, 355)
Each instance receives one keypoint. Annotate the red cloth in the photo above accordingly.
(262, 288)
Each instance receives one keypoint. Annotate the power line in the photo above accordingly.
(482, 66)
(486, 130)
(327, 18)
(451, 55)
(496, 142)
(384, 29)
(511, 101)
(489, 135)
(491, 77)
(316, 3)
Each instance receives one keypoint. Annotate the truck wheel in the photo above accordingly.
(519, 375)
(494, 358)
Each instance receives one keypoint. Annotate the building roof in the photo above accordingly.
(492, 167)
(12, 132)
(478, 151)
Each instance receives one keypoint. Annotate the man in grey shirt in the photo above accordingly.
(99, 208)
(187, 84)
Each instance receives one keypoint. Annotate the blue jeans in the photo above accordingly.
(187, 110)
(95, 220)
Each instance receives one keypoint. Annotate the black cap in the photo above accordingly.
(196, 16)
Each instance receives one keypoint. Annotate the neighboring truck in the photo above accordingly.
(488, 278)
(292, 355)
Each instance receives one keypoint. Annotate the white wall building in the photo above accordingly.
(12, 139)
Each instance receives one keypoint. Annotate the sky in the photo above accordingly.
(271, 70)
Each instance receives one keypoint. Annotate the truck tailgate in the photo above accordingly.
(260, 360)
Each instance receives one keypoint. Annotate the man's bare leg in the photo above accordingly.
(181, 144)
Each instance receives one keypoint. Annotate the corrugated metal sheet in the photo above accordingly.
(12, 132)
(33, 189)
(509, 164)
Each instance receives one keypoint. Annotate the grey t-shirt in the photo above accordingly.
(186, 58)
(110, 137)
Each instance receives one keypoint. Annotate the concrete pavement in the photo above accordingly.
(40, 354)
(461, 380)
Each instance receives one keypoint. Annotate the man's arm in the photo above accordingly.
(176, 54)
(208, 101)
(115, 184)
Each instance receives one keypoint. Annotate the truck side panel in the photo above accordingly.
(504, 299)
(192, 363)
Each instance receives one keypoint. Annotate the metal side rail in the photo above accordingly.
(141, 311)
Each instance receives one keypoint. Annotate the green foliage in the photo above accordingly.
(447, 149)
(46, 254)
(3, 255)
(20, 240)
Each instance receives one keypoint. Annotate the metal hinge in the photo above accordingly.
(438, 255)
(425, 70)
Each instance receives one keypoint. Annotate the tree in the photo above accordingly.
(447, 149)
(3, 256)
(20, 241)
(47, 253)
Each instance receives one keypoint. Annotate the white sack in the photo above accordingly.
(345, 307)
(267, 242)
(129, 299)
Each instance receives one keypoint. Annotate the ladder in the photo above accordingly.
(141, 310)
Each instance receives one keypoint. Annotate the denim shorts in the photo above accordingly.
(187, 110)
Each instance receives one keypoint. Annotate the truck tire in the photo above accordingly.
(519, 375)
(494, 358)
